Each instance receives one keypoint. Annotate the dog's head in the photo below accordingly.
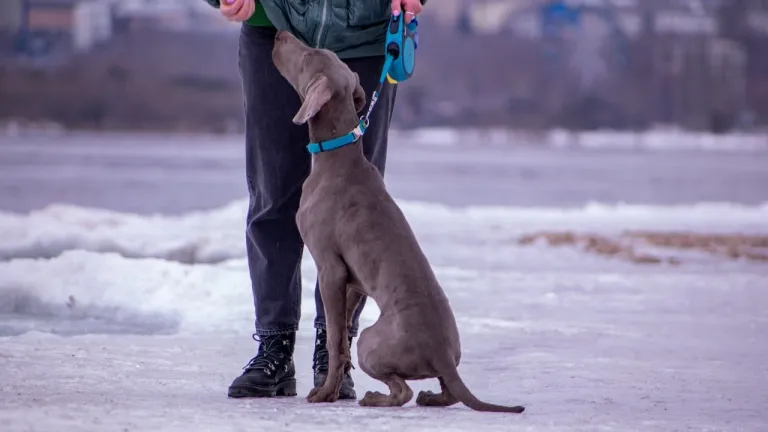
(327, 87)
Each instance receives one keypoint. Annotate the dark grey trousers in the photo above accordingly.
(277, 163)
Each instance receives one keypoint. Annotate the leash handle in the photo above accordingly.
(400, 45)
(401, 42)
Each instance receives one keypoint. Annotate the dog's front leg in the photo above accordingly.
(333, 290)
(354, 297)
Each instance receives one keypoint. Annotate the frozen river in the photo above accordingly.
(125, 302)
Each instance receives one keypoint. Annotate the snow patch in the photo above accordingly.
(197, 237)
(25, 310)
(83, 292)
(217, 235)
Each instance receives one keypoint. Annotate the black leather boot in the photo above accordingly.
(271, 373)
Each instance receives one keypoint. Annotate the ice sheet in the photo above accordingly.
(582, 350)
(107, 329)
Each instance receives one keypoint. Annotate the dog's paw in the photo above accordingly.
(320, 395)
(372, 399)
(313, 392)
(425, 398)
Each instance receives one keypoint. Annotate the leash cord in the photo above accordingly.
(365, 120)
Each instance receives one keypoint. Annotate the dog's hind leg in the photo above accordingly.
(376, 355)
(399, 394)
(442, 399)
(332, 275)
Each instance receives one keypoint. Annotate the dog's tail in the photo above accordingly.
(447, 371)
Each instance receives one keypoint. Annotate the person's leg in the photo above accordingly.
(375, 150)
(276, 165)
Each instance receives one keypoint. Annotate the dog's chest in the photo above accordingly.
(315, 215)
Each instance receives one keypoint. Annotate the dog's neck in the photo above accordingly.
(325, 126)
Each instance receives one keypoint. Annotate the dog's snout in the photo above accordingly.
(281, 36)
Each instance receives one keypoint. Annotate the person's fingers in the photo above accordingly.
(230, 8)
(251, 8)
(245, 12)
(412, 8)
(230, 11)
(396, 7)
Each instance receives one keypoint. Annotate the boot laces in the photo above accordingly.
(320, 356)
(271, 353)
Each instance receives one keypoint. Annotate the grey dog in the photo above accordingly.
(362, 245)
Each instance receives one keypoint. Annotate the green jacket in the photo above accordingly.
(350, 28)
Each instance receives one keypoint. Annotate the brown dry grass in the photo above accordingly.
(626, 245)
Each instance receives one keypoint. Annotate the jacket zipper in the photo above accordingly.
(322, 23)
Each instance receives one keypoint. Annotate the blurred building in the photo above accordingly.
(10, 23)
(11, 18)
(56, 29)
(168, 15)
(744, 23)
(580, 64)
(625, 63)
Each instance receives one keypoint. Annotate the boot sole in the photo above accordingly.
(285, 388)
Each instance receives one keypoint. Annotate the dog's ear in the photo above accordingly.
(358, 94)
(318, 94)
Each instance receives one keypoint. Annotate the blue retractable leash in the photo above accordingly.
(400, 61)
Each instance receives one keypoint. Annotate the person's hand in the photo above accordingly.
(237, 10)
(411, 8)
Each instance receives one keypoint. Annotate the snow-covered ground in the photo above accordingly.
(125, 321)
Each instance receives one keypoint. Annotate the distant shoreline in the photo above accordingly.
(659, 138)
